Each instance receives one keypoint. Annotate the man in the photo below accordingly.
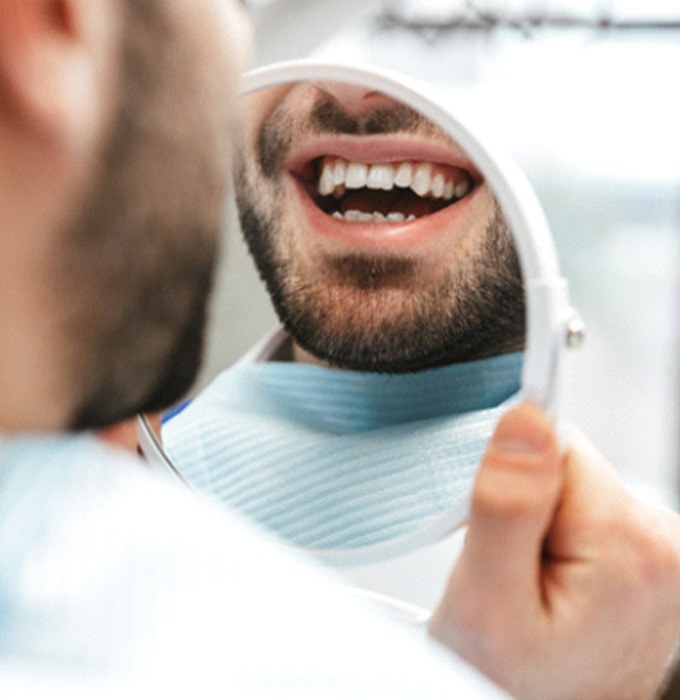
(110, 580)
(114, 122)
(385, 253)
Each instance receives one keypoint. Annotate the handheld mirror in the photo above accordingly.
(417, 283)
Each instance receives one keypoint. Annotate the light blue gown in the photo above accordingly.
(117, 583)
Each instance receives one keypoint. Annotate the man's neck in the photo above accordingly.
(299, 354)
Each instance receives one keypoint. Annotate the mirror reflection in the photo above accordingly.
(394, 274)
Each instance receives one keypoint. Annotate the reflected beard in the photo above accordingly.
(375, 313)
(381, 313)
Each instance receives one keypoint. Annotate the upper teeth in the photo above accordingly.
(425, 179)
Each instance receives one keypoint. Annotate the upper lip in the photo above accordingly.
(378, 149)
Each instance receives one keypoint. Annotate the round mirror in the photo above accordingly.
(419, 296)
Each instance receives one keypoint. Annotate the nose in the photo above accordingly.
(355, 99)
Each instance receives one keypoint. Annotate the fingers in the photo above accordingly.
(561, 566)
(598, 512)
(515, 496)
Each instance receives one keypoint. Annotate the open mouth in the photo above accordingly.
(384, 193)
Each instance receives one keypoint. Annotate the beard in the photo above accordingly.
(379, 313)
(144, 239)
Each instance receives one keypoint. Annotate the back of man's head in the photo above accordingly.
(114, 119)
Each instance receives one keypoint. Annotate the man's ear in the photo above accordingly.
(54, 59)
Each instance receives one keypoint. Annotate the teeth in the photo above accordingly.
(462, 189)
(339, 175)
(364, 217)
(404, 175)
(339, 172)
(438, 186)
(422, 180)
(326, 182)
(357, 176)
(380, 177)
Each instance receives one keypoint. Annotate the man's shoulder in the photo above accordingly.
(108, 568)
(31, 463)
(64, 492)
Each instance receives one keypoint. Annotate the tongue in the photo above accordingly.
(371, 201)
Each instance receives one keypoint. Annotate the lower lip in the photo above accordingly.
(389, 236)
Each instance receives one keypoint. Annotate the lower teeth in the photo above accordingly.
(354, 215)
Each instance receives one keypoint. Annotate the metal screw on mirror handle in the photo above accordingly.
(576, 331)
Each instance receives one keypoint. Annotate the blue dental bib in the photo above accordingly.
(329, 458)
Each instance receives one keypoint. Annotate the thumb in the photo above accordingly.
(514, 499)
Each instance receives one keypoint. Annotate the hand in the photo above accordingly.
(567, 587)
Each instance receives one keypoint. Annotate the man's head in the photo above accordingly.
(114, 132)
(380, 243)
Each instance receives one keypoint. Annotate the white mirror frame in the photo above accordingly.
(552, 324)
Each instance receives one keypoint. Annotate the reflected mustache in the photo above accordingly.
(327, 116)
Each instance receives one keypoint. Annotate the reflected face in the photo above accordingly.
(143, 240)
(381, 245)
